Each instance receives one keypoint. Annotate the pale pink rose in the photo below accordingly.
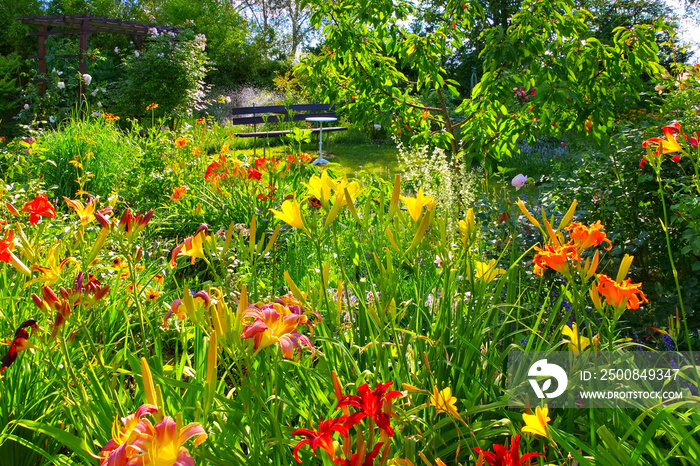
(519, 181)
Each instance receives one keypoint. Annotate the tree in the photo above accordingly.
(368, 51)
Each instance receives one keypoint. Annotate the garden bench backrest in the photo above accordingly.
(279, 113)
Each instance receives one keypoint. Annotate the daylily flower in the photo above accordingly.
(178, 192)
(131, 226)
(182, 141)
(621, 294)
(85, 212)
(51, 273)
(161, 445)
(504, 456)
(291, 214)
(576, 342)
(668, 145)
(193, 246)
(274, 323)
(254, 174)
(555, 258)
(488, 272)
(323, 437)
(19, 343)
(467, 228)
(414, 205)
(115, 451)
(39, 207)
(519, 181)
(585, 237)
(537, 423)
(7, 245)
(444, 402)
(320, 187)
(361, 459)
(371, 404)
(179, 307)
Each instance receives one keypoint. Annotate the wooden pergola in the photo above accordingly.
(84, 25)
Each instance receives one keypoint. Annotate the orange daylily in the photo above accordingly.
(555, 258)
(178, 192)
(7, 245)
(182, 141)
(621, 294)
(39, 207)
(585, 237)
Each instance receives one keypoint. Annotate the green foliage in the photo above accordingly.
(546, 46)
(169, 71)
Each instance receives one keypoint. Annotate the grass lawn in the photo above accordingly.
(345, 157)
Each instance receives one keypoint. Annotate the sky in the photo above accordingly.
(689, 27)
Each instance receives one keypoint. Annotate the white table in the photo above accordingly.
(320, 160)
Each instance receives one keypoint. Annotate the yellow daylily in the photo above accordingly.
(353, 189)
(444, 402)
(488, 272)
(320, 188)
(415, 205)
(193, 246)
(50, 274)
(537, 423)
(576, 342)
(291, 214)
(467, 228)
(84, 211)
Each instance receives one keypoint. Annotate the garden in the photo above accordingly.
(517, 178)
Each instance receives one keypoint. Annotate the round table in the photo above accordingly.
(320, 160)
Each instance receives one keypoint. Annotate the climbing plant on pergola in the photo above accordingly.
(84, 26)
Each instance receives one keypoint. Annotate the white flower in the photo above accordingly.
(26, 106)
(99, 104)
(96, 113)
(228, 99)
(94, 93)
(153, 31)
(519, 181)
(52, 119)
(161, 54)
(377, 126)
(61, 85)
(136, 52)
(87, 79)
(116, 49)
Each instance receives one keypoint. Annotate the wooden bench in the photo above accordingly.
(279, 113)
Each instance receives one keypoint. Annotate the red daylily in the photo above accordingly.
(20, 343)
(668, 145)
(39, 207)
(132, 226)
(503, 456)
(371, 404)
(357, 458)
(323, 437)
(254, 174)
